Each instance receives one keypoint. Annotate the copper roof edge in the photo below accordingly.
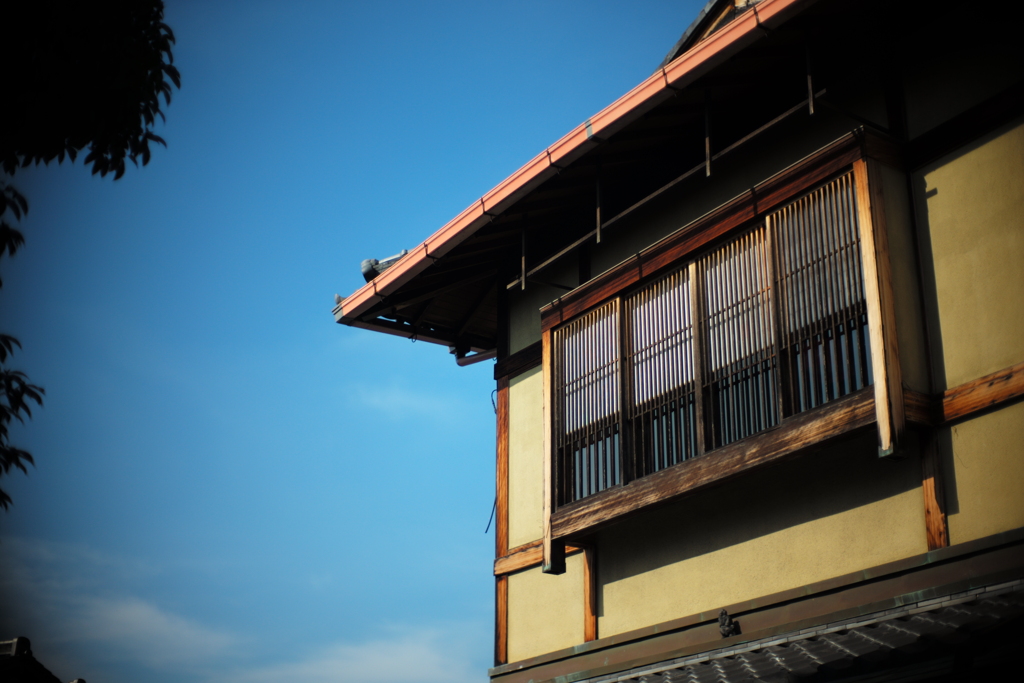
(680, 72)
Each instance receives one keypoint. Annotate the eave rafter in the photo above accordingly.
(742, 76)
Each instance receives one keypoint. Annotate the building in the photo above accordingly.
(760, 355)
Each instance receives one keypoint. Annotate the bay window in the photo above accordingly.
(764, 325)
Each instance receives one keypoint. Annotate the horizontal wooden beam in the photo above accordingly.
(961, 567)
(967, 399)
(519, 362)
(732, 215)
(526, 556)
(984, 392)
(792, 436)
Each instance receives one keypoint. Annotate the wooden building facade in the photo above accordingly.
(760, 356)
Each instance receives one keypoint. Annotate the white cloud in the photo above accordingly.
(144, 632)
(424, 656)
(84, 620)
(63, 597)
(401, 403)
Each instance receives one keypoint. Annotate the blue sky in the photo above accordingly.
(230, 486)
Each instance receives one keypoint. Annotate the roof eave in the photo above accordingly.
(656, 88)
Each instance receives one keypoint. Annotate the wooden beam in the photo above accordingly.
(519, 558)
(589, 594)
(966, 400)
(554, 551)
(500, 620)
(935, 526)
(526, 556)
(885, 359)
(983, 562)
(983, 393)
(688, 240)
(474, 309)
(395, 304)
(793, 435)
(501, 492)
(922, 408)
(519, 362)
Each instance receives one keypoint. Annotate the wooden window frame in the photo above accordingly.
(881, 404)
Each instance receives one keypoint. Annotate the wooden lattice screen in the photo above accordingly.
(766, 326)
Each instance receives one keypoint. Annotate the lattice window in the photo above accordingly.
(768, 325)
(824, 332)
(662, 405)
(587, 383)
(740, 358)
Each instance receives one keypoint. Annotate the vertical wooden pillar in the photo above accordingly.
(589, 594)
(500, 620)
(501, 489)
(554, 551)
(501, 526)
(885, 358)
(931, 486)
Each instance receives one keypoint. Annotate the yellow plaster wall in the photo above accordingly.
(971, 209)
(987, 458)
(525, 457)
(545, 611)
(839, 512)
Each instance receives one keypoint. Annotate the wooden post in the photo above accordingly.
(589, 594)
(885, 359)
(934, 501)
(554, 551)
(501, 489)
(500, 620)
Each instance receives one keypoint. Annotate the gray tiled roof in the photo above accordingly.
(920, 628)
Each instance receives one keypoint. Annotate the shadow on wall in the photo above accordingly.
(828, 481)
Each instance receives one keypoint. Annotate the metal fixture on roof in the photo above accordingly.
(371, 267)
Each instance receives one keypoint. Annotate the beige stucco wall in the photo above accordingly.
(986, 455)
(971, 208)
(525, 457)
(829, 514)
(545, 612)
